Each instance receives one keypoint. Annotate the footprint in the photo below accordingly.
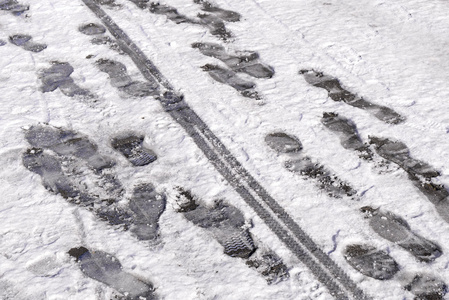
(110, 3)
(60, 157)
(13, 6)
(147, 207)
(2, 43)
(222, 75)
(58, 76)
(370, 261)
(395, 229)
(107, 269)
(215, 25)
(131, 147)
(420, 173)
(338, 93)
(427, 287)
(24, 41)
(398, 153)
(92, 29)
(246, 63)
(212, 22)
(161, 9)
(269, 264)
(98, 31)
(283, 143)
(347, 132)
(106, 40)
(228, 226)
(49, 167)
(291, 147)
(225, 15)
(225, 222)
(122, 81)
(68, 143)
(46, 266)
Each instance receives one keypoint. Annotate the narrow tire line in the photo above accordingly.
(325, 269)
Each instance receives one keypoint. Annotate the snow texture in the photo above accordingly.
(108, 106)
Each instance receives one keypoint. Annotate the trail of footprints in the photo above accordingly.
(337, 93)
(421, 174)
(291, 148)
(24, 41)
(229, 227)
(365, 258)
(244, 62)
(64, 158)
(213, 19)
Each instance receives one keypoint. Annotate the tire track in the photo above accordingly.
(276, 218)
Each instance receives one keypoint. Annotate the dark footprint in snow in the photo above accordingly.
(100, 39)
(224, 221)
(395, 229)
(215, 25)
(222, 75)
(283, 143)
(147, 207)
(225, 15)
(110, 3)
(24, 41)
(2, 43)
(227, 224)
(13, 6)
(49, 167)
(122, 81)
(328, 182)
(370, 261)
(106, 40)
(291, 147)
(92, 29)
(58, 76)
(170, 12)
(212, 22)
(60, 158)
(68, 143)
(427, 287)
(131, 146)
(270, 265)
(399, 153)
(347, 132)
(245, 63)
(107, 269)
(420, 173)
(338, 93)
(58, 181)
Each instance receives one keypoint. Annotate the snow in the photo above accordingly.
(392, 54)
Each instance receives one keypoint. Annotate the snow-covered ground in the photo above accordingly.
(391, 53)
